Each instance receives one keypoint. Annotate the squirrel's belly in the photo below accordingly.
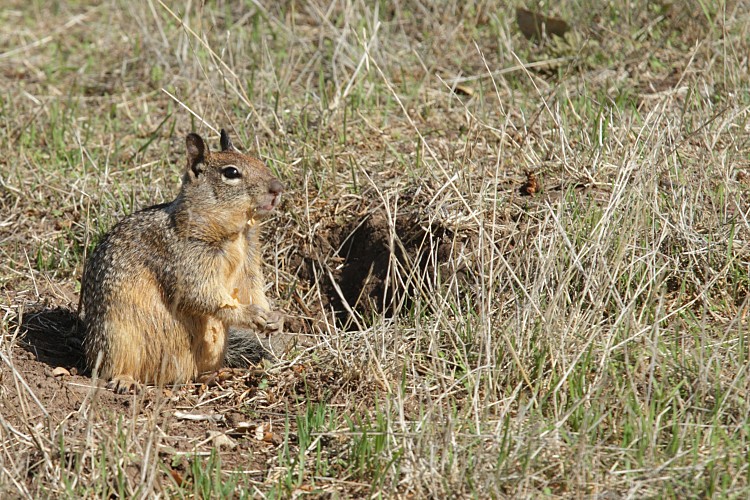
(143, 337)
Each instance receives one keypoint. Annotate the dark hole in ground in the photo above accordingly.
(378, 270)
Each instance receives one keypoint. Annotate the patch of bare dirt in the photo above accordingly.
(242, 413)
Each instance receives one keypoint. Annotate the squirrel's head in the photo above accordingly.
(228, 181)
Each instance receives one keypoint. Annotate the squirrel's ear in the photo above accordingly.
(226, 142)
(196, 153)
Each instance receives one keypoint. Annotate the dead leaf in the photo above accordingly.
(63, 224)
(263, 433)
(260, 430)
(535, 26)
(198, 417)
(177, 477)
(531, 186)
(463, 90)
(243, 428)
(221, 440)
(272, 438)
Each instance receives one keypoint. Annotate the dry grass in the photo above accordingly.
(456, 337)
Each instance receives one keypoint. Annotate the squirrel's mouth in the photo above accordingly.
(273, 202)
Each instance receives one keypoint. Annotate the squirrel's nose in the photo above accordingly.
(275, 187)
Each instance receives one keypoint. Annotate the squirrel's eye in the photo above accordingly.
(231, 173)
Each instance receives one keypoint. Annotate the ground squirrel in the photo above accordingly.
(175, 290)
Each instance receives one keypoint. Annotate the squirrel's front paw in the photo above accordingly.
(258, 316)
(268, 322)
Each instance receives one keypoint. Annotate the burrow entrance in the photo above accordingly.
(376, 265)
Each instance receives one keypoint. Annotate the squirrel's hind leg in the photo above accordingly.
(124, 384)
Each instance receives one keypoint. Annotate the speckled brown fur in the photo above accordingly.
(164, 287)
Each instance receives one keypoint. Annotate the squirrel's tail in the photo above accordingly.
(244, 347)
